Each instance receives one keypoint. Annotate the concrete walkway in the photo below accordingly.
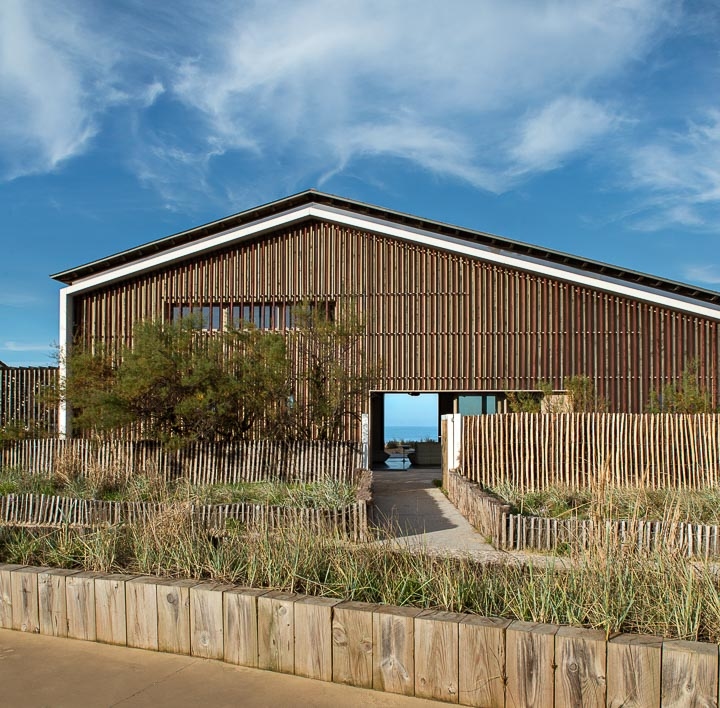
(46, 672)
(415, 512)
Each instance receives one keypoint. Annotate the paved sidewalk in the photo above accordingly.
(417, 513)
(46, 672)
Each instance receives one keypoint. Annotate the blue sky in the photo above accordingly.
(591, 127)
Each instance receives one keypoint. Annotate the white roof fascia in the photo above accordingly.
(447, 243)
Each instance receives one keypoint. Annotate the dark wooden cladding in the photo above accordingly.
(21, 397)
(437, 321)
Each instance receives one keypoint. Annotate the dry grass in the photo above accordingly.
(110, 483)
(701, 506)
(610, 587)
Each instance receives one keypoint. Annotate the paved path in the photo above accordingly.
(419, 514)
(46, 672)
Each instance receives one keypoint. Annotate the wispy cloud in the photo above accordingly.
(21, 347)
(681, 172)
(558, 130)
(57, 76)
(486, 93)
(18, 299)
(709, 273)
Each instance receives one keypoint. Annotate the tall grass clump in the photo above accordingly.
(610, 586)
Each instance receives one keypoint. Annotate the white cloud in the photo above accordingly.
(57, 76)
(20, 347)
(564, 126)
(487, 93)
(447, 87)
(681, 172)
(709, 274)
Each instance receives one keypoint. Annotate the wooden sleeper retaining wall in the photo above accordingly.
(446, 656)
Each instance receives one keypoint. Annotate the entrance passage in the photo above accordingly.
(404, 426)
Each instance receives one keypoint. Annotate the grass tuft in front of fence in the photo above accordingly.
(612, 589)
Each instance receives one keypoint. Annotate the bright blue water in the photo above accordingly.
(411, 432)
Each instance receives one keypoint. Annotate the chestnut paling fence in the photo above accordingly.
(200, 463)
(532, 451)
(47, 511)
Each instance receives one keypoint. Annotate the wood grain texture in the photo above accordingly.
(436, 655)
(276, 631)
(206, 620)
(633, 671)
(689, 674)
(530, 652)
(394, 649)
(52, 601)
(580, 656)
(25, 601)
(110, 609)
(352, 643)
(6, 609)
(80, 594)
(481, 642)
(240, 623)
(313, 637)
(438, 321)
(142, 613)
(173, 602)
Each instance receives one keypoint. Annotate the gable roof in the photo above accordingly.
(312, 204)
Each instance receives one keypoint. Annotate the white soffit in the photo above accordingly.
(407, 233)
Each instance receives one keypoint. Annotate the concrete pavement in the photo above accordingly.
(46, 672)
(417, 514)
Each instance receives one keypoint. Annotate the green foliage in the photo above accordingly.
(580, 397)
(685, 396)
(583, 396)
(524, 401)
(178, 382)
(19, 430)
(154, 488)
(331, 374)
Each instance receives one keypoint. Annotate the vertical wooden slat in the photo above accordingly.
(530, 652)
(142, 613)
(276, 631)
(25, 601)
(482, 675)
(240, 624)
(580, 656)
(633, 671)
(689, 674)
(394, 649)
(352, 644)
(313, 637)
(110, 608)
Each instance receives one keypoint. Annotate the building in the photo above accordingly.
(463, 313)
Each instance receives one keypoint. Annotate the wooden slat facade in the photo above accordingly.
(436, 321)
(22, 400)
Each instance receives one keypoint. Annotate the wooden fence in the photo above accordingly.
(517, 532)
(533, 450)
(201, 463)
(21, 399)
(46, 511)
(445, 656)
